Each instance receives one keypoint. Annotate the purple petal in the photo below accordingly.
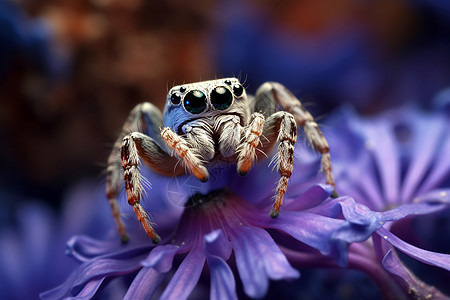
(422, 155)
(62, 290)
(312, 197)
(103, 267)
(411, 209)
(329, 208)
(359, 214)
(428, 257)
(441, 168)
(420, 290)
(89, 290)
(223, 285)
(93, 270)
(311, 229)
(83, 248)
(385, 153)
(355, 177)
(144, 284)
(161, 257)
(217, 245)
(187, 275)
(218, 249)
(259, 258)
(438, 195)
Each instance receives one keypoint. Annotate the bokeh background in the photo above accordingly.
(70, 71)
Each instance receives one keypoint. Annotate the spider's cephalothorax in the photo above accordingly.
(206, 121)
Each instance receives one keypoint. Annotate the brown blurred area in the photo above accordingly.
(121, 53)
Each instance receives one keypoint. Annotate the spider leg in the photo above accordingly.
(247, 154)
(282, 124)
(272, 93)
(184, 151)
(124, 157)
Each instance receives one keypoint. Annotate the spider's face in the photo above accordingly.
(204, 99)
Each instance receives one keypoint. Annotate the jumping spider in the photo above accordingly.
(208, 121)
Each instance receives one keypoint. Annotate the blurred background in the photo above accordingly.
(71, 71)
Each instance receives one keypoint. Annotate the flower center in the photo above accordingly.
(215, 196)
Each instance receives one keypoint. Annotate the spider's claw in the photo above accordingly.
(204, 178)
(156, 239)
(334, 195)
(241, 172)
(274, 213)
(124, 238)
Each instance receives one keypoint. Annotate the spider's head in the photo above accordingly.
(204, 99)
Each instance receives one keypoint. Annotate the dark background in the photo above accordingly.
(70, 71)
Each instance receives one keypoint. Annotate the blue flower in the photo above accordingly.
(223, 228)
(395, 166)
(32, 250)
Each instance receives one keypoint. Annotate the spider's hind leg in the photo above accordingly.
(266, 99)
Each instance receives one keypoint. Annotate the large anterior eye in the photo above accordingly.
(194, 102)
(221, 98)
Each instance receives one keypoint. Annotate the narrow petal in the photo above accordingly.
(311, 229)
(428, 257)
(89, 290)
(93, 270)
(420, 208)
(312, 197)
(84, 248)
(438, 195)
(441, 168)
(423, 155)
(186, 277)
(223, 285)
(258, 258)
(414, 286)
(216, 244)
(144, 284)
(105, 267)
(62, 290)
(217, 249)
(385, 152)
(161, 258)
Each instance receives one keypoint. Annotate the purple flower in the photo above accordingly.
(34, 245)
(224, 225)
(395, 166)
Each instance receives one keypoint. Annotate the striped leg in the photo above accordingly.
(278, 93)
(183, 151)
(125, 156)
(247, 154)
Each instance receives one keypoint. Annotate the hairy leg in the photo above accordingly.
(182, 149)
(125, 157)
(272, 93)
(247, 150)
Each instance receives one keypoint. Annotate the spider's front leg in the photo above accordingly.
(247, 150)
(184, 152)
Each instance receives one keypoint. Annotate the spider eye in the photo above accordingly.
(221, 98)
(238, 90)
(195, 102)
(175, 99)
